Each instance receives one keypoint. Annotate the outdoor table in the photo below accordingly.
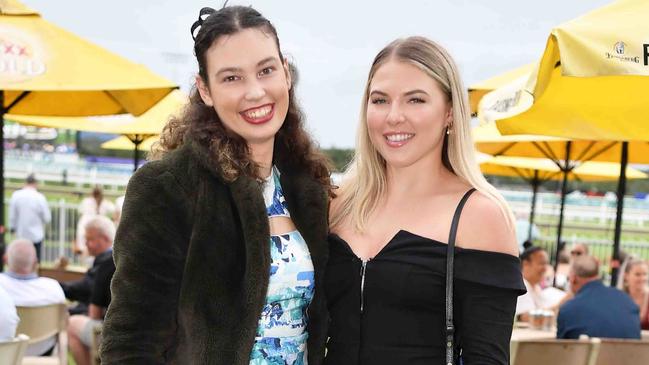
(526, 333)
(70, 273)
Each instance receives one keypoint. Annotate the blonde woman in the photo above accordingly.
(636, 273)
(391, 222)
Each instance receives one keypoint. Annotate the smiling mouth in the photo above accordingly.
(258, 115)
(398, 139)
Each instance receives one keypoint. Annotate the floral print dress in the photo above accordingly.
(281, 333)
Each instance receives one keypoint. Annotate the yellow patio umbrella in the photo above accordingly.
(591, 85)
(45, 70)
(535, 171)
(489, 140)
(123, 143)
(592, 79)
(478, 90)
(566, 154)
(525, 167)
(136, 130)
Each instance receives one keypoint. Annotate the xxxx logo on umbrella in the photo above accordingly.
(20, 57)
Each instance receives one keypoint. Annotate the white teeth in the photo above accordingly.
(259, 113)
(399, 137)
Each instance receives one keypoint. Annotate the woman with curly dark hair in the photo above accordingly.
(222, 244)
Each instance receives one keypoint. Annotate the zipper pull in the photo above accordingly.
(363, 267)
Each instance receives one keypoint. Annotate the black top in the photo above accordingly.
(94, 287)
(105, 268)
(402, 295)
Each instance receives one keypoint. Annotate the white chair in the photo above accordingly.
(41, 323)
(12, 351)
(555, 352)
(623, 352)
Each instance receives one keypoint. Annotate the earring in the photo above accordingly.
(448, 131)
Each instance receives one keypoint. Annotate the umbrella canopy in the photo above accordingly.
(123, 143)
(478, 90)
(591, 82)
(149, 123)
(525, 167)
(46, 70)
(489, 140)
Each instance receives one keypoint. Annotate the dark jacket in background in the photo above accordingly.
(599, 311)
(193, 263)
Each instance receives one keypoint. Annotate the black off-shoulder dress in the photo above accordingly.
(390, 310)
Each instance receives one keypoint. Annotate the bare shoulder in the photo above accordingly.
(484, 226)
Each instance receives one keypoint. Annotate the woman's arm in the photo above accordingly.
(149, 254)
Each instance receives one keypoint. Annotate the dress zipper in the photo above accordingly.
(363, 267)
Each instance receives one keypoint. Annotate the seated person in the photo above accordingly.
(8, 317)
(100, 233)
(27, 289)
(534, 261)
(80, 290)
(596, 310)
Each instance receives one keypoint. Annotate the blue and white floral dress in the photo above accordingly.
(281, 333)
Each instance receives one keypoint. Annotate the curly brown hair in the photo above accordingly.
(199, 122)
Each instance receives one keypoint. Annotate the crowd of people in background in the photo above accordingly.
(21, 285)
(576, 296)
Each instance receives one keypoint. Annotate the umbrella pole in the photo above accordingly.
(4, 110)
(621, 191)
(535, 188)
(564, 191)
(136, 152)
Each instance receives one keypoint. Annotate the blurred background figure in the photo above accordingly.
(534, 261)
(90, 207)
(596, 310)
(93, 290)
(636, 275)
(100, 233)
(27, 289)
(29, 213)
(578, 249)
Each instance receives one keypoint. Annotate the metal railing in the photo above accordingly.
(592, 217)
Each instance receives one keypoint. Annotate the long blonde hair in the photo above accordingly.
(365, 179)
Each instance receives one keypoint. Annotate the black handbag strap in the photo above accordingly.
(450, 328)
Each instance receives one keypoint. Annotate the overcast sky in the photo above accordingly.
(332, 42)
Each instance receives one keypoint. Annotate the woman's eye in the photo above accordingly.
(230, 78)
(266, 71)
(378, 101)
(416, 100)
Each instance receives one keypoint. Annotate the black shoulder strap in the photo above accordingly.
(450, 328)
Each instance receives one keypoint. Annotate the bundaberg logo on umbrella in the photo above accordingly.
(21, 58)
(620, 53)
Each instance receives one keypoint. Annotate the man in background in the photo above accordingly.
(100, 233)
(29, 213)
(27, 289)
(596, 310)
(534, 264)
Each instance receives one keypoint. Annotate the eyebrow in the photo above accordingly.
(411, 92)
(238, 69)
